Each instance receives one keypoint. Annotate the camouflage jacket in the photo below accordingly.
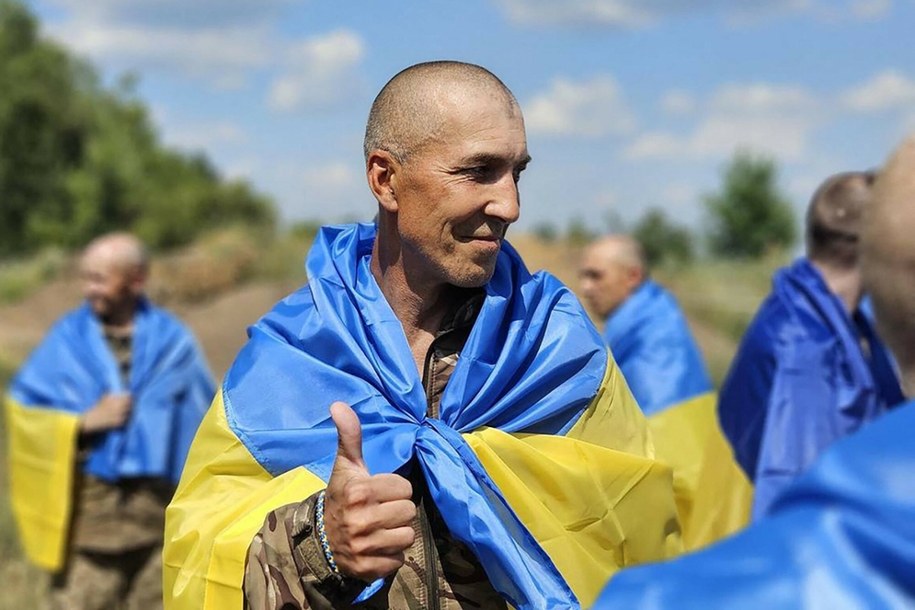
(286, 568)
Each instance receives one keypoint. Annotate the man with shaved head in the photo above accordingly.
(810, 368)
(655, 350)
(840, 536)
(425, 424)
(101, 417)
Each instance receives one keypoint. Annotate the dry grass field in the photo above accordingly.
(228, 279)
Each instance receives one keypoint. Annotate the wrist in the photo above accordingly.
(321, 531)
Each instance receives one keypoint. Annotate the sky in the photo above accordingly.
(629, 104)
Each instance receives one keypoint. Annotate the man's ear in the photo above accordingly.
(381, 169)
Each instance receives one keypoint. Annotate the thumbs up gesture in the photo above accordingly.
(367, 518)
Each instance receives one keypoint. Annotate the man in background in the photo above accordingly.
(810, 368)
(655, 350)
(100, 419)
(840, 536)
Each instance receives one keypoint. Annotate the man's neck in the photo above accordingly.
(845, 284)
(121, 319)
(420, 307)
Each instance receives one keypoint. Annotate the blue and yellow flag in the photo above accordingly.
(67, 374)
(540, 460)
(800, 381)
(841, 537)
(652, 345)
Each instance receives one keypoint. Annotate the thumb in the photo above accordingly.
(349, 435)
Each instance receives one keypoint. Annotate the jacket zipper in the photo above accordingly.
(428, 541)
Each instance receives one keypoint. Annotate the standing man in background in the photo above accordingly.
(810, 368)
(840, 535)
(100, 418)
(655, 350)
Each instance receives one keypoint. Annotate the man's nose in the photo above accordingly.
(505, 203)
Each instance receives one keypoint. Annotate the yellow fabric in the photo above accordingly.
(594, 499)
(42, 452)
(713, 496)
(221, 502)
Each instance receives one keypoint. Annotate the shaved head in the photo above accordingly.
(888, 257)
(611, 269)
(113, 270)
(409, 110)
(123, 250)
(621, 249)
(835, 216)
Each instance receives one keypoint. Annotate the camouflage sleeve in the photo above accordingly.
(286, 569)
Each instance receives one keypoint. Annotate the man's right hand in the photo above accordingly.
(367, 518)
(112, 411)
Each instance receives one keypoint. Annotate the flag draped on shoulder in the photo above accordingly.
(801, 380)
(840, 537)
(65, 376)
(652, 344)
(536, 435)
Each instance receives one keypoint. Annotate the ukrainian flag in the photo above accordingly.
(65, 376)
(654, 349)
(840, 537)
(540, 461)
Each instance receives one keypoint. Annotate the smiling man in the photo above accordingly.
(425, 424)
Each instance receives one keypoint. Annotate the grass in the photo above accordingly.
(18, 278)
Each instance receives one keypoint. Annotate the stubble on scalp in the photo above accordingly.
(411, 109)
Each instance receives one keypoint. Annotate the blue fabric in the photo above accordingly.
(532, 363)
(800, 381)
(842, 537)
(169, 382)
(652, 345)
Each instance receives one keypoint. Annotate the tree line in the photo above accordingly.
(78, 158)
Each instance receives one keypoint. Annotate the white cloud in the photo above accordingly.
(593, 108)
(220, 56)
(319, 72)
(640, 13)
(885, 91)
(678, 102)
(773, 119)
(204, 135)
(871, 9)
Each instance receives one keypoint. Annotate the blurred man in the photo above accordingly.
(810, 368)
(100, 419)
(841, 536)
(652, 344)
(492, 453)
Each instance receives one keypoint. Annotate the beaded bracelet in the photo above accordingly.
(322, 534)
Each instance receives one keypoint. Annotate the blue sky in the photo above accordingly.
(629, 104)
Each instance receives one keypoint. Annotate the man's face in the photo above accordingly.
(109, 288)
(457, 195)
(605, 282)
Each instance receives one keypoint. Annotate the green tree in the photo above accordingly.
(663, 240)
(78, 159)
(749, 215)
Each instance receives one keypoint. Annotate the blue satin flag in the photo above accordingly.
(654, 349)
(169, 382)
(532, 363)
(800, 381)
(842, 537)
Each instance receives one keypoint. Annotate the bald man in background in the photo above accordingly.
(100, 419)
(655, 350)
(810, 368)
(841, 535)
